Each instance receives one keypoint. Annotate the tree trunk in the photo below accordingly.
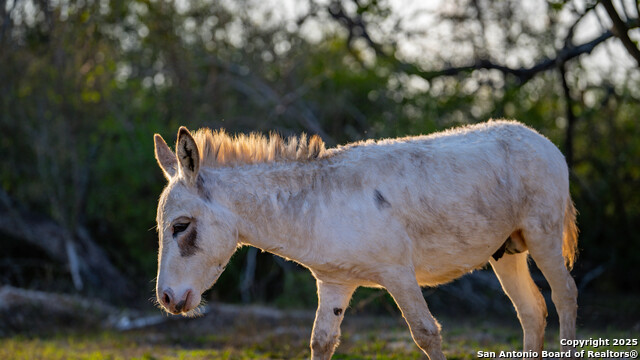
(86, 257)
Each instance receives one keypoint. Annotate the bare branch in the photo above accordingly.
(6, 19)
(568, 39)
(357, 28)
(522, 74)
(571, 117)
(74, 263)
(264, 95)
(249, 275)
(480, 49)
(620, 30)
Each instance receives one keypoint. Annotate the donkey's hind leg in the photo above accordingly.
(546, 250)
(513, 273)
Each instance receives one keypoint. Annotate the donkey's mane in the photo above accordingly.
(217, 148)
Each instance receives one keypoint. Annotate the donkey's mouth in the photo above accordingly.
(189, 301)
(180, 307)
(184, 306)
(181, 311)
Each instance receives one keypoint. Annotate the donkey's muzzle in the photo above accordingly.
(173, 304)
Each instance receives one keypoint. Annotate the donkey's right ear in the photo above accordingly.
(166, 158)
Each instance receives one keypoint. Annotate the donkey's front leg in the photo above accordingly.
(333, 300)
(402, 285)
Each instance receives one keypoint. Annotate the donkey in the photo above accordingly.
(397, 214)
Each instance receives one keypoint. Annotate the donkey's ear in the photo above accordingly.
(188, 155)
(166, 158)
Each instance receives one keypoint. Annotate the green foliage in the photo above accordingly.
(84, 88)
(298, 291)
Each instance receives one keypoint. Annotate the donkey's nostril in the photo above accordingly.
(167, 297)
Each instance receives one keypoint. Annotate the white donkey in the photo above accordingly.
(398, 214)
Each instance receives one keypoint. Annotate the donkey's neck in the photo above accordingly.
(277, 204)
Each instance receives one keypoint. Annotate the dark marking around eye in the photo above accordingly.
(381, 202)
(337, 311)
(187, 243)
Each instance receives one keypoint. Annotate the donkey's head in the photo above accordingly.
(197, 236)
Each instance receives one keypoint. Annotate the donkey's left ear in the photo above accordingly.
(188, 155)
(166, 158)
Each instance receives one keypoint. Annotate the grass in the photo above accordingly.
(242, 337)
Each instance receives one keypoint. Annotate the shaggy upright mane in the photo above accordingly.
(217, 148)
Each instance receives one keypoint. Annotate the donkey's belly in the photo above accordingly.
(429, 278)
(448, 260)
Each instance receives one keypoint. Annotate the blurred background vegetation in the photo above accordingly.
(84, 85)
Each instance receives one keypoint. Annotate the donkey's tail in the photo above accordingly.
(570, 235)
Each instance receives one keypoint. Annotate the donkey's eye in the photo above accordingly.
(179, 227)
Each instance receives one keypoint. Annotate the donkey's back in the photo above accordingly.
(457, 197)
